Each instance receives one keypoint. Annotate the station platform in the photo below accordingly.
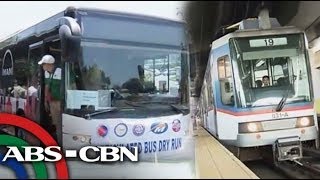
(214, 161)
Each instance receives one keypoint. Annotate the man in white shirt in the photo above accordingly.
(18, 91)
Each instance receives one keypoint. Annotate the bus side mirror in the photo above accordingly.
(70, 36)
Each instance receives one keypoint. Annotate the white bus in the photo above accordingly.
(125, 80)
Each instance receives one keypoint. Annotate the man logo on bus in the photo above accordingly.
(176, 125)
(7, 70)
(159, 128)
(7, 65)
(102, 131)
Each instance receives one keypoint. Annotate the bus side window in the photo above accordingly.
(225, 79)
(20, 79)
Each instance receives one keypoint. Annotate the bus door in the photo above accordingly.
(38, 112)
(52, 46)
(34, 109)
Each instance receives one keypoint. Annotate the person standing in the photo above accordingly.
(52, 92)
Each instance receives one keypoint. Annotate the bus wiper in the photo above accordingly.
(283, 101)
(184, 111)
(172, 105)
(110, 109)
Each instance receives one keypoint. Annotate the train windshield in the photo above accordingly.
(269, 68)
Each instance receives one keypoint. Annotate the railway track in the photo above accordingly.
(306, 168)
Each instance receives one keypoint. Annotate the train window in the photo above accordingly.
(224, 67)
(275, 68)
(285, 64)
(277, 74)
(228, 67)
(221, 69)
(226, 83)
(260, 69)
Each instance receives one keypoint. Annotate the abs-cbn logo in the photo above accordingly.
(51, 154)
(18, 151)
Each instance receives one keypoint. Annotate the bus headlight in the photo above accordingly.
(304, 121)
(250, 127)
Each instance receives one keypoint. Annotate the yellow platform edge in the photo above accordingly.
(213, 160)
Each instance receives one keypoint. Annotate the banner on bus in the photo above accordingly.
(161, 137)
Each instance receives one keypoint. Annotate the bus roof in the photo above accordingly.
(129, 14)
(52, 23)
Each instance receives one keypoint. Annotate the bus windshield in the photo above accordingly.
(142, 79)
(269, 68)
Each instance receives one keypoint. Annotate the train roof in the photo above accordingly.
(52, 23)
(255, 32)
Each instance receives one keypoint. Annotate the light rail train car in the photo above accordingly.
(257, 91)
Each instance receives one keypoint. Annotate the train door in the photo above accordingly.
(204, 105)
(211, 107)
(225, 99)
(207, 106)
(315, 64)
(202, 112)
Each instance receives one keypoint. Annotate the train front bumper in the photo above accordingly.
(270, 137)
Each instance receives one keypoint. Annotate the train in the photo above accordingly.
(258, 92)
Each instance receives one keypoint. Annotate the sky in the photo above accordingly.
(19, 15)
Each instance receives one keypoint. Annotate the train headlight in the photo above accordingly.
(250, 127)
(304, 122)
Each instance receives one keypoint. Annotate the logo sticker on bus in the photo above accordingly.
(159, 128)
(102, 131)
(121, 130)
(176, 125)
(138, 129)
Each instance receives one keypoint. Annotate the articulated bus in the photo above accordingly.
(257, 92)
(125, 80)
